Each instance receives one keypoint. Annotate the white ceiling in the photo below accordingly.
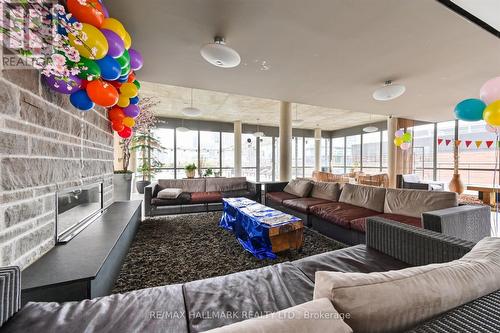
(330, 53)
(217, 106)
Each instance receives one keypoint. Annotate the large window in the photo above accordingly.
(166, 157)
(209, 151)
(325, 154)
(353, 152)
(423, 151)
(298, 157)
(227, 154)
(266, 159)
(371, 152)
(309, 161)
(249, 156)
(187, 150)
(384, 151)
(338, 155)
(444, 156)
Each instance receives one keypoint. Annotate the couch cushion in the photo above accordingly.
(359, 259)
(169, 193)
(327, 191)
(205, 197)
(187, 185)
(416, 294)
(314, 316)
(299, 187)
(415, 202)
(341, 213)
(237, 193)
(146, 310)
(264, 290)
(364, 196)
(360, 224)
(182, 199)
(226, 184)
(280, 196)
(303, 204)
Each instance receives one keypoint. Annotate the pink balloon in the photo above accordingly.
(492, 129)
(405, 146)
(490, 91)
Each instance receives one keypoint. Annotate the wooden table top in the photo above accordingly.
(483, 188)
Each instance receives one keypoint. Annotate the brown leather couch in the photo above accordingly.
(198, 194)
(344, 219)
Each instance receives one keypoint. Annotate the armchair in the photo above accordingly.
(413, 181)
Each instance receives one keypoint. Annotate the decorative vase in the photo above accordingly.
(141, 184)
(122, 185)
(456, 184)
(190, 173)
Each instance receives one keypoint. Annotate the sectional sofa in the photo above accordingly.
(203, 305)
(340, 210)
(196, 195)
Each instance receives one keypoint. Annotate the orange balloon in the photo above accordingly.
(128, 121)
(117, 126)
(91, 12)
(131, 77)
(102, 93)
(116, 115)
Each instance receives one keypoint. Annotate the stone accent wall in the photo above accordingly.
(45, 145)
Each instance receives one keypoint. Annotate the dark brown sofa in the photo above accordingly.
(198, 194)
(345, 219)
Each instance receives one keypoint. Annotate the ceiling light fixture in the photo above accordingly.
(219, 54)
(182, 129)
(370, 128)
(297, 122)
(258, 134)
(191, 111)
(389, 91)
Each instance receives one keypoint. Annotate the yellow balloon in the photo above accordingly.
(129, 122)
(127, 41)
(123, 101)
(129, 90)
(398, 141)
(115, 26)
(492, 114)
(94, 47)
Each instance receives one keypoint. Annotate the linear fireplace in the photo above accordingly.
(76, 209)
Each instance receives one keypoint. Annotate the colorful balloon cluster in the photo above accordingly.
(487, 107)
(107, 64)
(402, 139)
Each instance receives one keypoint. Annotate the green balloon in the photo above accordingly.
(406, 137)
(137, 84)
(125, 70)
(88, 68)
(123, 61)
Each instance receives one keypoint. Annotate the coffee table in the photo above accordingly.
(261, 230)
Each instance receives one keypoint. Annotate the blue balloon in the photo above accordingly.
(122, 79)
(134, 100)
(81, 100)
(110, 68)
(470, 109)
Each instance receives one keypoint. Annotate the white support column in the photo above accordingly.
(317, 149)
(285, 141)
(392, 127)
(237, 148)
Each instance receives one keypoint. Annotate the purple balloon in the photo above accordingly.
(132, 111)
(115, 43)
(64, 87)
(104, 10)
(136, 60)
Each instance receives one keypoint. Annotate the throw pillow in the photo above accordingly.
(298, 187)
(364, 196)
(395, 301)
(169, 193)
(315, 316)
(326, 190)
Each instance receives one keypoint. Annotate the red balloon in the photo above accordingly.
(83, 86)
(125, 133)
(115, 84)
(91, 12)
(102, 93)
(117, 126)
(131, 77)
(116, 114)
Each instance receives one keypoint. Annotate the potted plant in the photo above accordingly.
(122, 179)
(208, 173)
(147, 145)
(190, 170)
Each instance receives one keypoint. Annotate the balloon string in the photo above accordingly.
(494, 225)
(82, 115)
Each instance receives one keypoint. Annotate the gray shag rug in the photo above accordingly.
(183, 248)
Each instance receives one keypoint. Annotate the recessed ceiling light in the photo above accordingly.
(219, 54)
(389, 91)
